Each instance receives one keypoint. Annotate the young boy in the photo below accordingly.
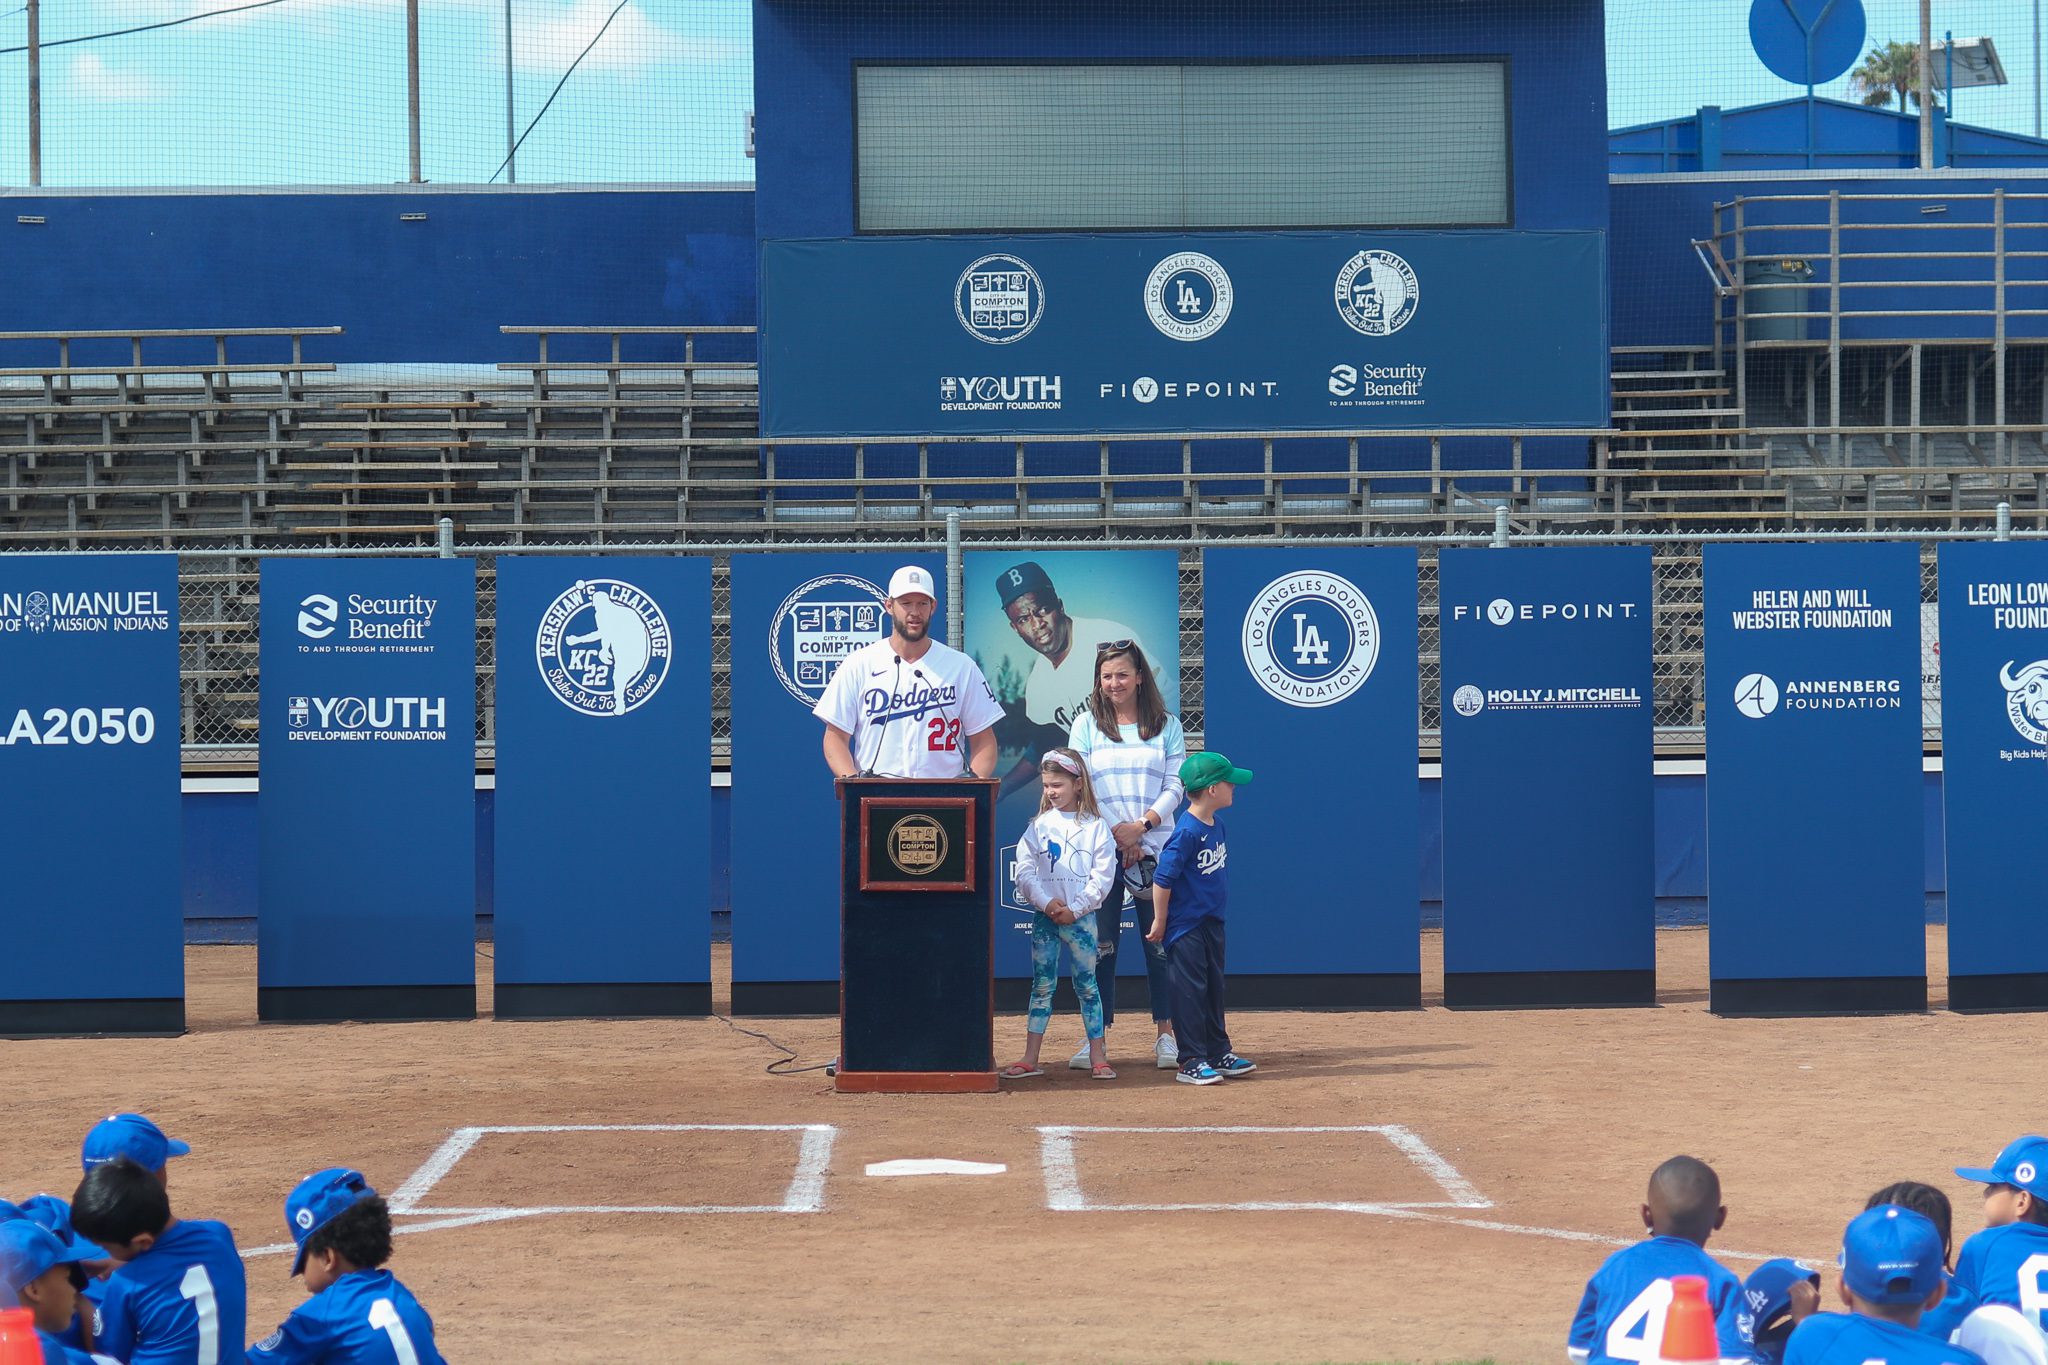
(41, 1274)
(1942, 1320)
(135, 1137)
(1778, 1296)
(178, 1295)
(1188, 895)
(54, 1217)
(1621, 1315)
(1998, 1265)
(1891, 1274)
(359, 1314)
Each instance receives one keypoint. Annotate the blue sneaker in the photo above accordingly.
(1198, 1073)
(1234, 1065)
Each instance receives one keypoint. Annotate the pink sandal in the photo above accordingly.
(1020, 1071)
(1102, 1072)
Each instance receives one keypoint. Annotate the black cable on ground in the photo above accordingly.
(781, 1066)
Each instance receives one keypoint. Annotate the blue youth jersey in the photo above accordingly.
(1191, 867)
(56, 1352)
(1852, 1339)
(185, 1301)
(367, 1318)
(2008, 1265)
(1942, 1320)
(1628, 1296)
(89, 1302)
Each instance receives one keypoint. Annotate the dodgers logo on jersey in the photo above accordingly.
(1377, 293)
(999, 299)
(1310, 639)
(819, 624)
(603, 647)
(1188, 296)
(2026, 699)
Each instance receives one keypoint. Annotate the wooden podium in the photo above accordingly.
(916, 935)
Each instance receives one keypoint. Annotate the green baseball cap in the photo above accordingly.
(1208, 768)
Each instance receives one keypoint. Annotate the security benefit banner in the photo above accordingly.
(1548, 762)
(794, 618)
(1994, 757)
(603, 879)
(367, 813)
(1034, 625)
(1815, 813)
(89, 795)
(1310, 682)
(1177, 332)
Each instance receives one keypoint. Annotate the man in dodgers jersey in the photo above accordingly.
(359, 1314)
(178, 1295)
(906, 705)
(2007, 1263)
(1621, 1316)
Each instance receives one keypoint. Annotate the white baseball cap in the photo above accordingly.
(911, 579)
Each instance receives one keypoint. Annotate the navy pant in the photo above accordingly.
(1196, 960)
(1109, 935)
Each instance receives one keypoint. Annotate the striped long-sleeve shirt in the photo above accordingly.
(1133, 775)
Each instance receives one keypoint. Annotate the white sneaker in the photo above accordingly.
(1166, 1053)
(1079, 1061)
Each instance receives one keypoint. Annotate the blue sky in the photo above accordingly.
(313, 91)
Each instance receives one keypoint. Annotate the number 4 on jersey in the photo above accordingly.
(1647, 1310)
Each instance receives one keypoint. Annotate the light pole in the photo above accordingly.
(511, 143)
(1924, 71)
(35, 92)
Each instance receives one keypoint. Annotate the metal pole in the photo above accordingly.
(2004, 531)
(444, 537)
(511, 139)
(1924, 72)
(1500, 528)
(412, 86)
(2037, 68)
(35, 92)
(956, 584)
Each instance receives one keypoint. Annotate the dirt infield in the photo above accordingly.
(1550, 1120)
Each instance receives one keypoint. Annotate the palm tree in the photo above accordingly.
(1892, 69)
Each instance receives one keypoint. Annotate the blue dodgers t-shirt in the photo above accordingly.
(185, 1301)
(1852, 1339)
(1191, 866)
(1943, 1319)
(367, 1318)
(1626, 1300)
(1997, 1265)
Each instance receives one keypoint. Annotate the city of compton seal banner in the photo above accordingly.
(1310, 639)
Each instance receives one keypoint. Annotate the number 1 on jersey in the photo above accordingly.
(385, 1319)
(198, 1287)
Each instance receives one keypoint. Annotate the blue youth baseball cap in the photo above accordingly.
(1767, 1299)
(2023, 1163)
(53, 1215)
(27, 1251)
(1892, 1255)
(319, 1199)
(132, 1136)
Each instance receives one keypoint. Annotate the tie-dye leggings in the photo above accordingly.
(1046, 938)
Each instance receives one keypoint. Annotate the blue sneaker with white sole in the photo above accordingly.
(1198, 1073)
(1234, 1065)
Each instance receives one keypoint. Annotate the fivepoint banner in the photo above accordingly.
(1175, 332)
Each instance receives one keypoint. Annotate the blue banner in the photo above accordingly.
(1149, 332)
(1032, 622)
(1309, 651)
(1994, 754)
(604, 684)
(1814, 808)
(1547, 671)
(89, 733)
(794, 617)
(367, 815)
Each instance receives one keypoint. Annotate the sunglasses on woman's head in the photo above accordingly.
(1114, 646)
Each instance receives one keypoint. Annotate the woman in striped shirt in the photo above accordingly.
(1133, 748)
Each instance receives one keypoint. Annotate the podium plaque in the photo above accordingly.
(917, 981)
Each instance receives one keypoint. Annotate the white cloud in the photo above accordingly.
(549, 42)
(95, 80)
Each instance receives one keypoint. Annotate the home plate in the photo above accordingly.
(935, 1166)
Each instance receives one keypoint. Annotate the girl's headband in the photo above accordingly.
(1059, 760)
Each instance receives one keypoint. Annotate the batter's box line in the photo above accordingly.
(806, 1192)
(1063, 1178)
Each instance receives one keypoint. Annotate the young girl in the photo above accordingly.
(1066, 863)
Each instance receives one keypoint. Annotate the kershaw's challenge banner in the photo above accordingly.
(1306, 649)
(604, 680)
(1172, 332)
(1815, 813)
(89, 732)
(1994, 752)
(367, 813)
(1549, 891)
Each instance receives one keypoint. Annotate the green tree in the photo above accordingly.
(1888, 72)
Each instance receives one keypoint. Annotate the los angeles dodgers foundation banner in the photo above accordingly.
(1815, 813)
(794, 618)
(89, 794)
(367, 813)
(1549, 891)
(1034, 622)
(1994, 756)
(604, 684)
(1310, 653)
(1175, 332)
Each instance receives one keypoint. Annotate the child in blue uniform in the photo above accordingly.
(359, 1313)
(1891, 1274)
(1188, 897)
(1997, 1265)
(54, 1217)
(41, 1274)
(135, 1137)
(1777, 1297)
(1621, 1315)
(1941, 1320)
(178, 1295)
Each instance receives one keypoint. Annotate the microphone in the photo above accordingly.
(882, 732)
